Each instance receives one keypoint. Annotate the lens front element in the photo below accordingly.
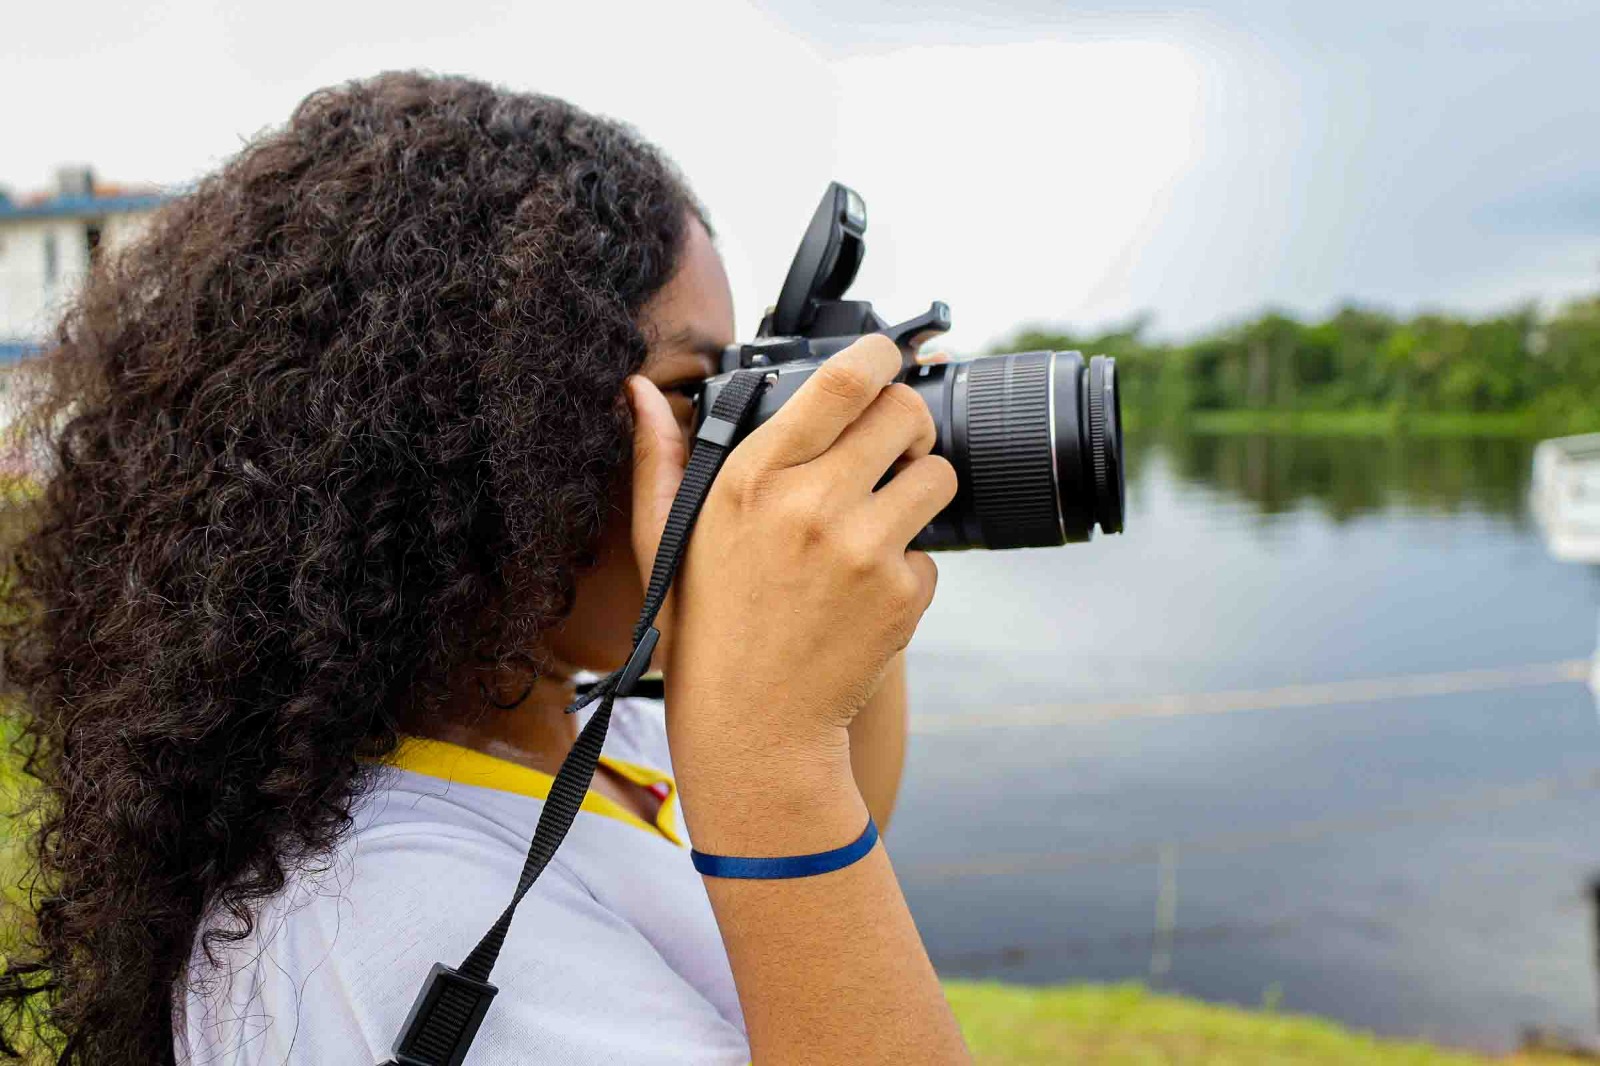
(1105, 442)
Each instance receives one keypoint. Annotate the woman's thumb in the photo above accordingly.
(659, 456)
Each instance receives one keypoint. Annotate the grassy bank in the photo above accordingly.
(1126, 1024)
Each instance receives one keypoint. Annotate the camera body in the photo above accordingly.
(1035, 437)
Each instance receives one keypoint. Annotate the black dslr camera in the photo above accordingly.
(1035, 437)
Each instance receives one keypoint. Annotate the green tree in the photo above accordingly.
(1521, 362)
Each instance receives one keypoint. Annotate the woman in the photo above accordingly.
(339, 504)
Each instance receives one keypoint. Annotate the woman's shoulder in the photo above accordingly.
(335, 960)
(336, 957)
(330, 955)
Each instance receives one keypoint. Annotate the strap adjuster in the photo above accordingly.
(718, 431)
(443, 1019)
(638, 662)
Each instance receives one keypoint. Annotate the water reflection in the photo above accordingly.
(1416, 864)
(1348, 477)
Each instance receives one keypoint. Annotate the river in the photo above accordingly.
(1310, 733)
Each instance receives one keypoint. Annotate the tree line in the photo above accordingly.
(1542, 366)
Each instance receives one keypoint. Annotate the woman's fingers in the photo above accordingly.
(829, 401)
(896, 425)
(918, 491)
(659, 456)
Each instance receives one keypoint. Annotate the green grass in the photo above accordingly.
(1007, 1025)
(13, 829)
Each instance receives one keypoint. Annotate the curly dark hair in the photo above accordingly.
(346, 417)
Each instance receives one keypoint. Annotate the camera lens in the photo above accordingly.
(1036, 440)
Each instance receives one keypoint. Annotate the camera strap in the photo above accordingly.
(451, 1006)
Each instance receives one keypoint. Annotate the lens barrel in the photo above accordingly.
(1036, 440)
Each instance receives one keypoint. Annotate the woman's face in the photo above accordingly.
(689, 322)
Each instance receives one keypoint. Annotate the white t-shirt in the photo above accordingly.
(614, 957)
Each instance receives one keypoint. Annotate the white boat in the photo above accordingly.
(1566, 501)
(1566, 496)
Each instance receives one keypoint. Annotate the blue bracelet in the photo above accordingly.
(789, 865)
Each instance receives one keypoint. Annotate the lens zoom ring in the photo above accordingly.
(1008, 435)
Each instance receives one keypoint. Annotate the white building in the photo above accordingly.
(47, 243)
(1566, 501)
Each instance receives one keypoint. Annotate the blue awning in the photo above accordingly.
(12, 351)
(67, 206)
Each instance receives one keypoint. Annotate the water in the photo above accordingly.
(1413, 864)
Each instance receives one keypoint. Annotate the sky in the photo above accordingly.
(1028, 162)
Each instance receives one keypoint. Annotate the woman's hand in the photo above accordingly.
(797, 587)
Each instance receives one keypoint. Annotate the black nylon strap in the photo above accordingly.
(446, 1015)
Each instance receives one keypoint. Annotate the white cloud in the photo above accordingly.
(1196, 165)
(1016, 181)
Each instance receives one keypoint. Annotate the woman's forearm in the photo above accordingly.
(878, 743)
(830, 969)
